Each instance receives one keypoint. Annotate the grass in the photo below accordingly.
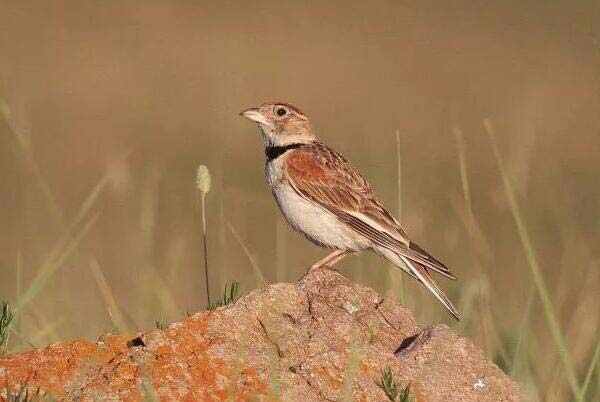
(161, 324)
(522, 335)
(352, 367)
(536, 272)
(148, 391)
(59, 255)
(6, 319)
(474, 295)
(115, 314)
(130, 295)
(24, 393)
(203, 181)
(230, 295)
(255, 268)
(73, 234)
(393, 391)
(590, 372)
(398, 280)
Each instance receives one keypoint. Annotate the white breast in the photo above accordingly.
(309, 218)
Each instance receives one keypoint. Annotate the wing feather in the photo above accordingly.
(320, 174)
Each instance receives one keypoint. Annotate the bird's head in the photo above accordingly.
(281, 124)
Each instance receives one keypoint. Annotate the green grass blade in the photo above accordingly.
(523, 333)
(534, 267)
(65, 242)
(24, 339)
(395, 277)
(6, 319)
(24, 150)
(19, 288)
(230, 295)
(399, 173)
(462, 160)
(114, 312)
(149, 393)
(255, 268)
(89, 201)
(50, 266)
(168, 301)
(590, 372)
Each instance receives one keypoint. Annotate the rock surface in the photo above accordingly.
(322, 339)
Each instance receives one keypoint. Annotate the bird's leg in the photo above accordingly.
(338, 258)
(334, 256)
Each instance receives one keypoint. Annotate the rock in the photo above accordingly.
(322, 339)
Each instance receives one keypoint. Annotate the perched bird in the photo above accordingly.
(325, 198)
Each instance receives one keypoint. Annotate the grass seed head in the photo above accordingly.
(203, 179)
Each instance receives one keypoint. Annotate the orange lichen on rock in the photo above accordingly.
(324, 338)
(50, 368)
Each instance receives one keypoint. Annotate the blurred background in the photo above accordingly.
(477, 123)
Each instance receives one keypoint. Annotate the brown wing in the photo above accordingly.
(320, 174)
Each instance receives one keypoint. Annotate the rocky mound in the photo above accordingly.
(322, 339)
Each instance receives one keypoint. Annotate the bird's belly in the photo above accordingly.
(315, 222)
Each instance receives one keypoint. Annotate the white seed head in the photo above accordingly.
(203, 179)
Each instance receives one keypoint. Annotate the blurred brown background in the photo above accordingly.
(118, 103)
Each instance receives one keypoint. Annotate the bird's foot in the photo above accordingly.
(329, 261)
(318, 267)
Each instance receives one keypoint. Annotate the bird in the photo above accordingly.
(324, 197)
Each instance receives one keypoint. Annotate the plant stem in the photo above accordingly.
(399, 156)
(536, 271)
(202, 199)
(590, 372)
(257, 272)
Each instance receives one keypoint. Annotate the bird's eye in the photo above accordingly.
(281, 111)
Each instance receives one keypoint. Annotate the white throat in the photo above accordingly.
(272, 139)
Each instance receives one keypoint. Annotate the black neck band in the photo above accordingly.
(273, 152)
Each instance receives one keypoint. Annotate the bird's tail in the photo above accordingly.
(405, 260)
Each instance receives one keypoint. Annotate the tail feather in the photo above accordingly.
(417, 254)
(384, 239)
(427, 281)
(421, 274)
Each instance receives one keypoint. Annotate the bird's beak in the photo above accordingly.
(254, 114)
